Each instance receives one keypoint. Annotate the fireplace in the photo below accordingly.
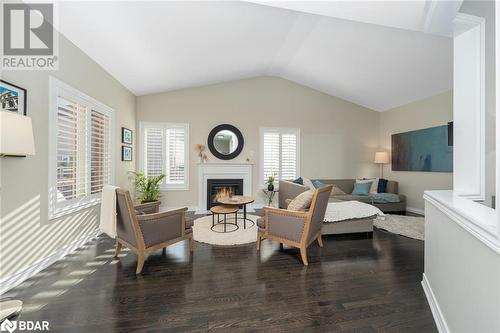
(224, 187)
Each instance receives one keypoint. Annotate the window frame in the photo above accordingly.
(280, 131)
(164, 126)
(58, 88)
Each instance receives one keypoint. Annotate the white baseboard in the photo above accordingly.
(441, 324)
(415, 210)
(14, 280)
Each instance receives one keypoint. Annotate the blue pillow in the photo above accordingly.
(298, 181)
(382, 185)
(361, 188)
(317, 183)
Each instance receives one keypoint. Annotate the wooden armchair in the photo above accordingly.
(295, 228)
(144, 232)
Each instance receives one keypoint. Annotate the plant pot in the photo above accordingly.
(270, 187)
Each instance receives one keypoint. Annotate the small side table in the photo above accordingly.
(224, 210)
(270, 195)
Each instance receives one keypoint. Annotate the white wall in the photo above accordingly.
(429, 112)
(26, 234)
(486, 9)
(463, 274)
(338, 138)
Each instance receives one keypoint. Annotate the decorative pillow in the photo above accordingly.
(298, 181)
(308, 183)
(374, 182)
(317, 183)
(302, 201)
(336, 191)
(361, 188)
(382, 185)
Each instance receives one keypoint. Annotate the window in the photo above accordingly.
(80, 151)
(165, 150)
(280, 153)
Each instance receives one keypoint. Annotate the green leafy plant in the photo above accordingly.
(271, 179)
(148, 188)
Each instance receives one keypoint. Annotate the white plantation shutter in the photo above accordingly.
(153, 158)
(176, 138)
(71, 173)
(80, 150)
(165, 150)
(288, 156)
(280, 153)
(100, 151)
(271, 154)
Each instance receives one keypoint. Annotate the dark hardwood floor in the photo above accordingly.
(353, 284)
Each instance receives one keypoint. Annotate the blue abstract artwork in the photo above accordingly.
(422, 150)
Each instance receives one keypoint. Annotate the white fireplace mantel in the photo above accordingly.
(222, 170)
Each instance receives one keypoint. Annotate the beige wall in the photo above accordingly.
(338, 138)
(429, 112)
(26, 234)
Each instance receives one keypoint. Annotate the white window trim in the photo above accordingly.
(142, 126)
(59, 210)
(280, 130)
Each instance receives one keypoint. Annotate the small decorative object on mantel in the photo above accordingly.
(148, 188)
(12, 98)
(126, 153)
(127, 136)
(270, 182)
(202, 157)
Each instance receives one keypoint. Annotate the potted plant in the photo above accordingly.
(148, 188)
(270, 182)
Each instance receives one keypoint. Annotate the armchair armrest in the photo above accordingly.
(148, 207)
(287, 224)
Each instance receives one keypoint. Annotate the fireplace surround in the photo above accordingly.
(222, 170)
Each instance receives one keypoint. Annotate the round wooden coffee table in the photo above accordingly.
(224, 210)
(239, 201)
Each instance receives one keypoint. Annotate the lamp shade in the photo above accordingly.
(16, 135)
(381, 157)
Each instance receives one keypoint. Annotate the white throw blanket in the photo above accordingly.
(347, 210)
(108, 211)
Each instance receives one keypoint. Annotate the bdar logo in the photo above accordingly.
(8, 326)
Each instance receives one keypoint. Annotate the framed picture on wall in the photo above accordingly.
(12, 98)
(127, 136)
(126, 153)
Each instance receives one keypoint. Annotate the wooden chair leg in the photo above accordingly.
(140, 263)
(303, 254)
(191, 244)
(258, 242)
(320, 241)
(118, 247)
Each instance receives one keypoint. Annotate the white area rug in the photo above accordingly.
(409, 226)
(203, 233)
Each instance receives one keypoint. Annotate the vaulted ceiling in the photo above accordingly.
(157, 46)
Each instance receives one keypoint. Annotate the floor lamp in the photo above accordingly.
(16, 140)
(381, 157)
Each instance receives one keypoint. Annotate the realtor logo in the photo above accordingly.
(29, 37)
(8, 326)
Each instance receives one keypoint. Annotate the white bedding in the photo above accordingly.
(347, 210)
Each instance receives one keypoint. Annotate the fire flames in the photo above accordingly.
(224, 192)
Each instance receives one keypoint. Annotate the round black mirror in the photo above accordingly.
(225, 142)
